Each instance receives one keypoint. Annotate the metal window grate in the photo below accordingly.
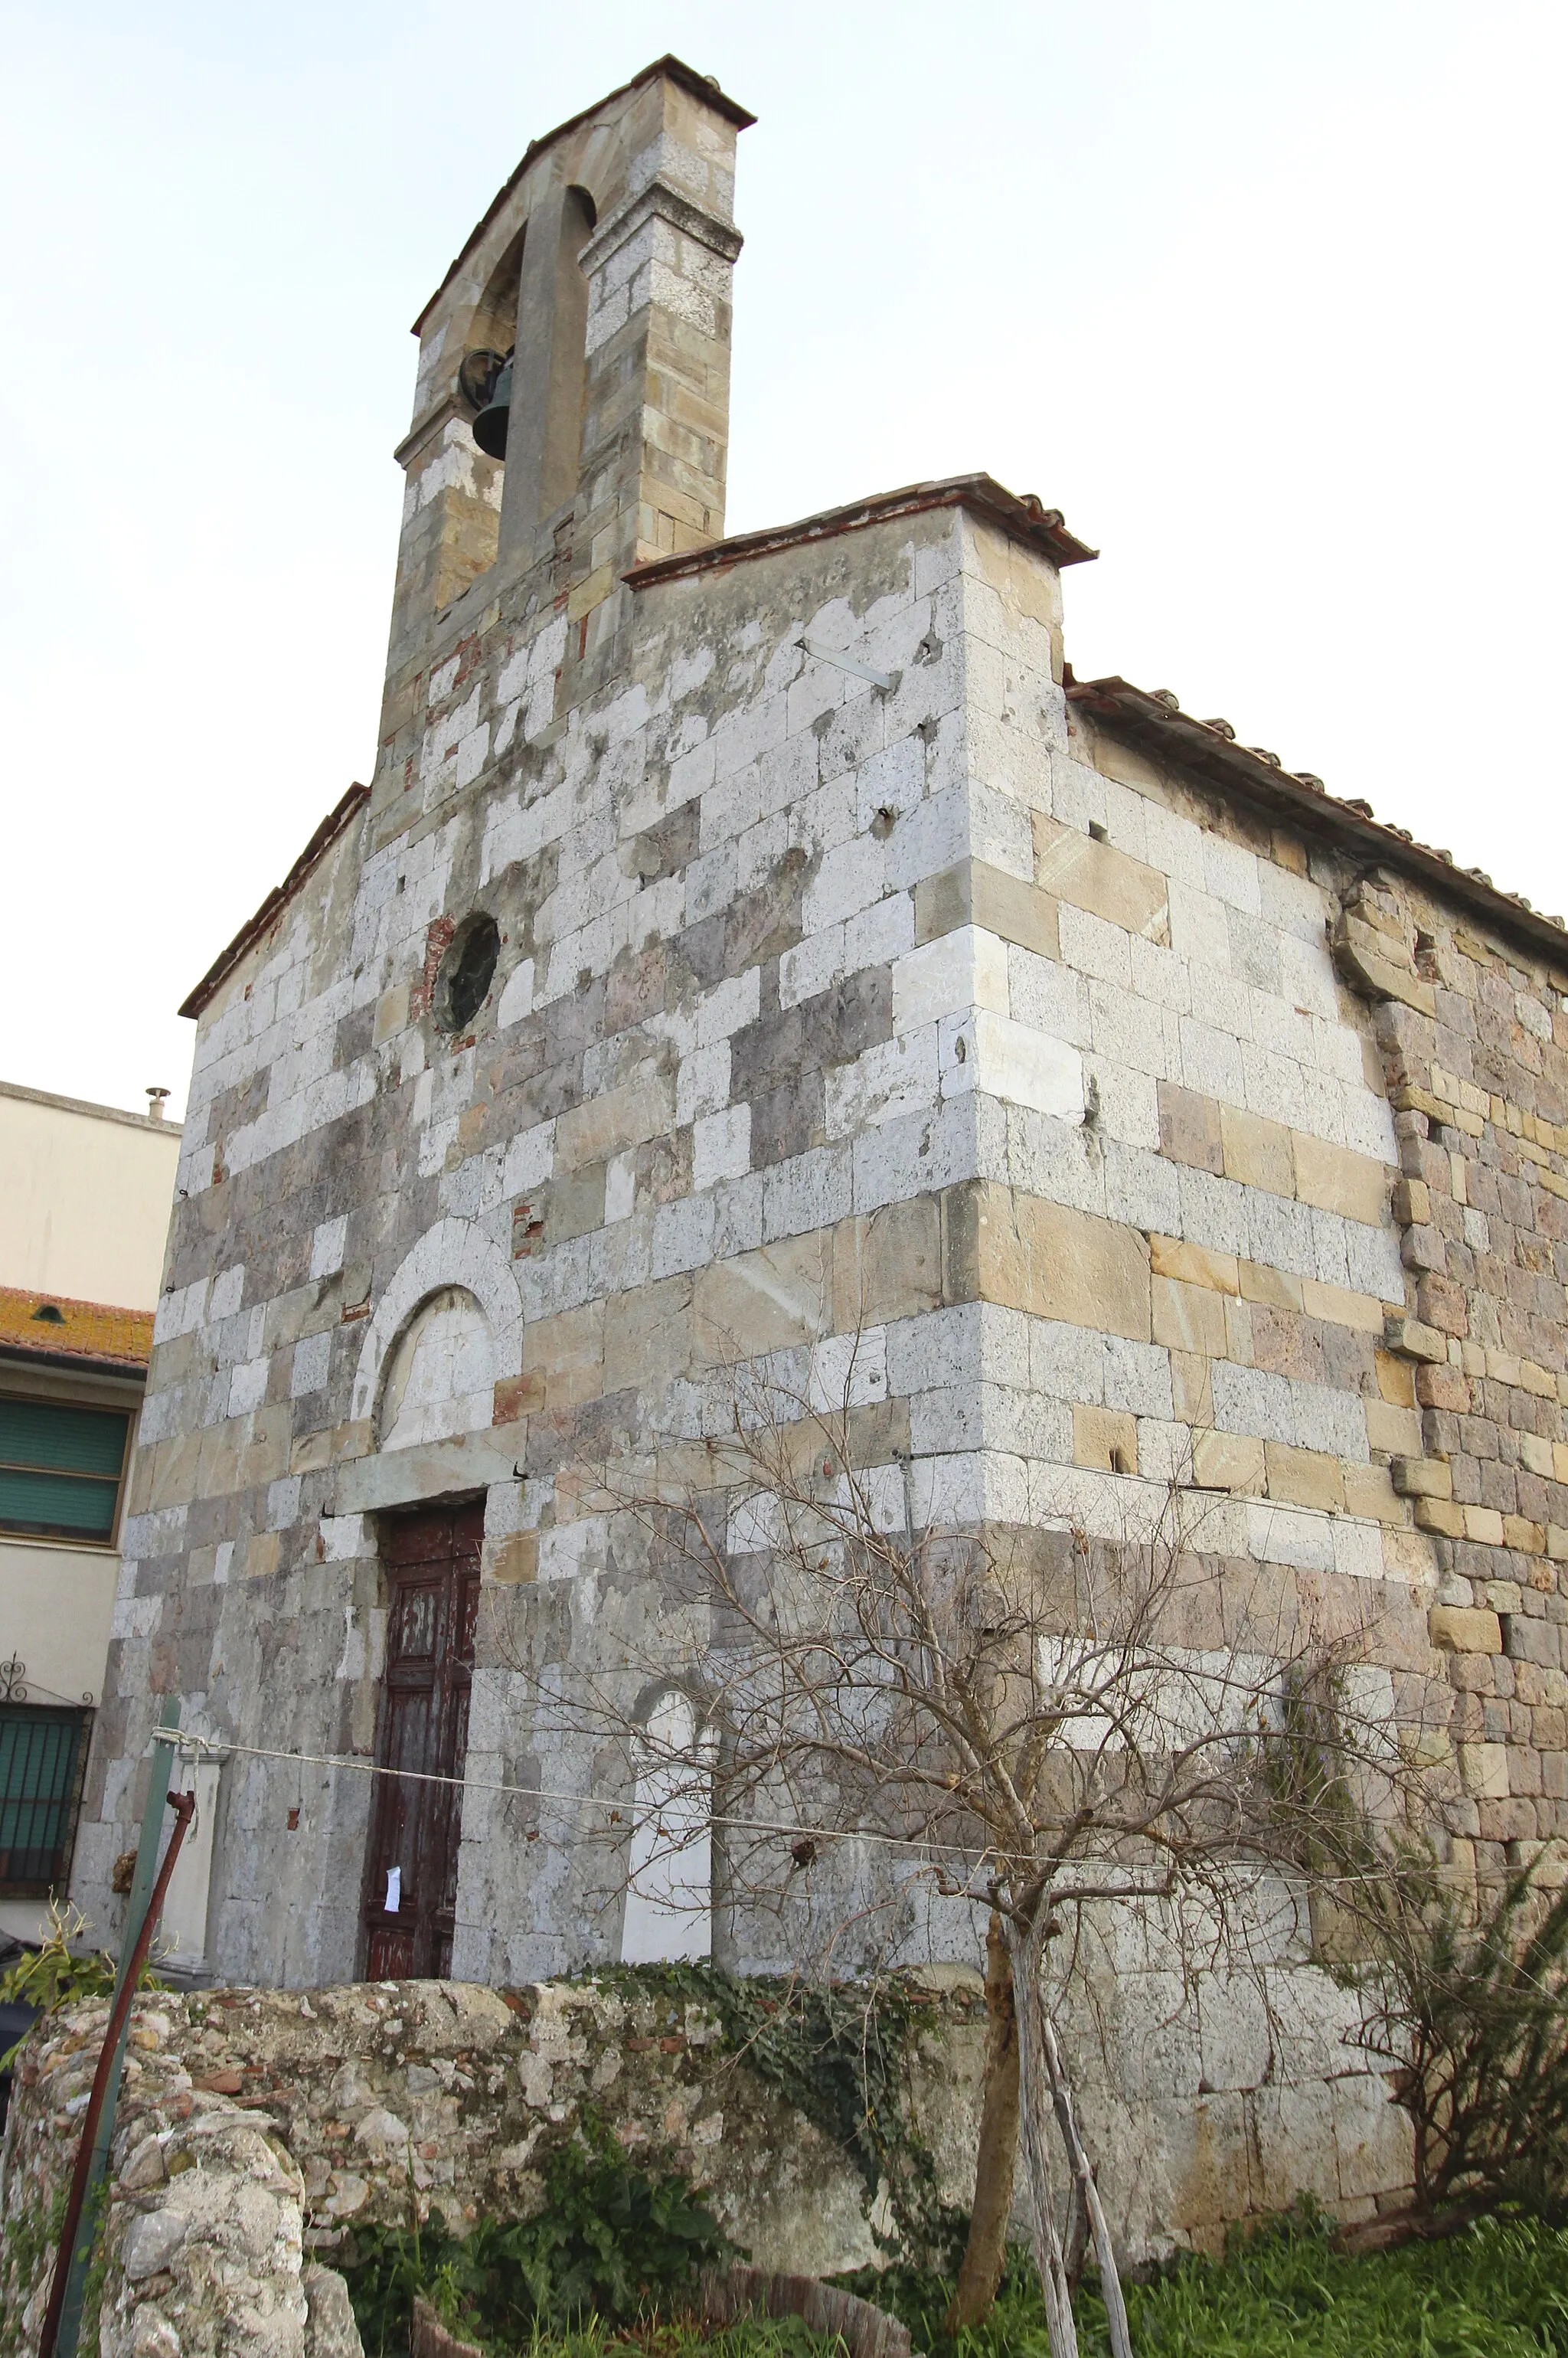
(42, 1754)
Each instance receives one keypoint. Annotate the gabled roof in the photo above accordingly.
(685, 76)
(1154, 721)
(85, 1334)
(1020, 513)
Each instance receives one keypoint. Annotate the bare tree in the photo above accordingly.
(1034, 1723)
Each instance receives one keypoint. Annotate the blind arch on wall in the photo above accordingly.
(669, 1890)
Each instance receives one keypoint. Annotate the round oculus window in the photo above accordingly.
(466, 972)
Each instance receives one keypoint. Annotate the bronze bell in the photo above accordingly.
(496, 409)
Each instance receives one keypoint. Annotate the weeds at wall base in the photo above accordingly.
(1497, 2289)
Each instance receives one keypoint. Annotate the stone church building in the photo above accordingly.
(765, 945)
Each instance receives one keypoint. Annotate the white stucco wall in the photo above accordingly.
(85, 1194)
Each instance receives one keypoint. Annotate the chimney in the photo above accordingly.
(156, 1100)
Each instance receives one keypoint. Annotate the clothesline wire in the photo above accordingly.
(195, 1746)
(192, 1745)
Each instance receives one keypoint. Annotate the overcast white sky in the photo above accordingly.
(1267, 299)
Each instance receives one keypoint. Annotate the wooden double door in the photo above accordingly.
(432, 1565)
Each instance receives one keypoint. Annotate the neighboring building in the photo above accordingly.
(85, 1193)
(746, 944)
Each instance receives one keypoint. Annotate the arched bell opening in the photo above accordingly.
(533, 415)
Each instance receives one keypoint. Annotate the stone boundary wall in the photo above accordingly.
(257, 2128)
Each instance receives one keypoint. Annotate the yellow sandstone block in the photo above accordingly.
(1106, 1438)
(1336, 1180)
(1257, 1151)
(1195, 1265)
(1189, 1318)
(1096, 877)
(1228, 1461)
(1484, 1769)
(1464, 1629)
(1303, 1477)
(1340, 1307)
(1369, 1492)
(1277, 1287)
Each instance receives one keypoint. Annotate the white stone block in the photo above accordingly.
(1026, 1067)
(228, 1291)
(1198, 930)
(896, 1077)
(342, 1538)
(620, 1187)
(813, 965)
(883, 932)
(283, 1502)
(1092, 946)
(1212, 1063)
(848, 1370)
(529, 1159)
(722, 1146)
(1358, 1549)
(850, 878)
(1293, 1535)
(1230, 873)
(247, 1386)
(683, 1236)
(312, 1354)
(517, 996)
(733, 1004)
(702, 1083)
(1078, 793)
(896, 1159)
(966, 968)
(1049, 996)
(806, 1191)
(1142, 1188)
(328, 1246)
(1066, 1363)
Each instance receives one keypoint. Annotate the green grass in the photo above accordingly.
(655, 2337)
(1498, 2290)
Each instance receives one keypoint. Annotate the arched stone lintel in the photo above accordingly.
(452, 1253)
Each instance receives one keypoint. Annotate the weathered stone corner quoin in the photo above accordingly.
(1103, 1099)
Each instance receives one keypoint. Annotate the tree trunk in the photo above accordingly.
(1088, 2192)
(1026, 1943)
(985, 2251)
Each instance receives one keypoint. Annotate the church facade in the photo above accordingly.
(765, 946)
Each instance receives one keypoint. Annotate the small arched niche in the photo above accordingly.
(669, 1887)
(440, 1373)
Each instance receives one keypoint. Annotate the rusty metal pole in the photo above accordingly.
(141, 1910)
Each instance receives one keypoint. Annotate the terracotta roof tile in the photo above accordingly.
(83, 1330)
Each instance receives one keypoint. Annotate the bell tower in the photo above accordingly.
(600, 277)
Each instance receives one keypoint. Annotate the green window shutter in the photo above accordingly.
(41, 1758)
(59, 1468)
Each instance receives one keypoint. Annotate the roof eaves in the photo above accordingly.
(224, 965)
(1154, 722)
(83, 1362)
(1023, 517)
(686, 77)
